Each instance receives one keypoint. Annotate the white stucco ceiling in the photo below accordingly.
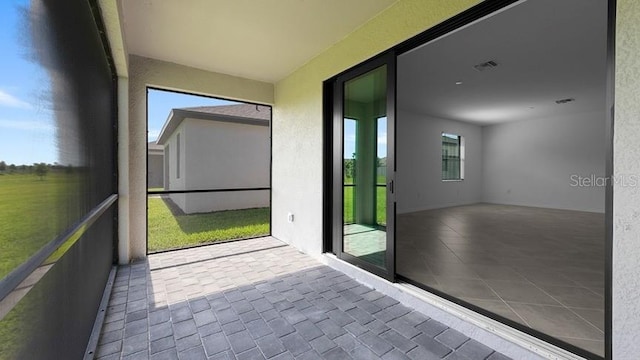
(546, 50)
(256, 39)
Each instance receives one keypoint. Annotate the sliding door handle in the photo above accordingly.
(391, 187)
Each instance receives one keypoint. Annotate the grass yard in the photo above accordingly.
(33, 212)
(381, 204)
(166, 231)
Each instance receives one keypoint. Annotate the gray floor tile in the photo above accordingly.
(330, 328)
(362, 353)
(431, 345)
(309, 355)
(162, 344)
(474, 350)
(336, 354)
(403, 327)
(524, 255)
(233, 327)
(452, 338)
(258, 328)
(109, 348)
(241, 341)
(322, 344)
(235, 307)
(377, 344)
(308, 330)
(498, 356)
(188, 342)
(184, 328)
(295, 344)
(170, 354)
(135, 344)
(215, 343)
(347, 342)
(431, 327)
(398, 341)
(195, 353)
(204, 317)
(253, 354)
(395, 354)
(281, 327)
(270, 346)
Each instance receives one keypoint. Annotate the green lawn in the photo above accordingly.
(33, 212)
(381, 205)
(166, 231)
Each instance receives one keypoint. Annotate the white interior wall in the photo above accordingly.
(419, 163)
(529, 163)
(536, 162)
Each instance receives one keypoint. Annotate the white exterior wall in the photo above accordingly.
(176, 182)
(226, 155)
(419, 167)
(220, 155)
(220, 201)
(155, 177)
(531, 162)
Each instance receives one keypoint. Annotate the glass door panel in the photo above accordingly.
(364, 161)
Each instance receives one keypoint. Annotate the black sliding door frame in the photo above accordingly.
(333, 186)
(337, 150)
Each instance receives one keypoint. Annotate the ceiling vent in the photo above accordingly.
(486, 65)
(564, 101)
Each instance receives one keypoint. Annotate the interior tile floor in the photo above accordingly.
(542, 268)
(262, 299)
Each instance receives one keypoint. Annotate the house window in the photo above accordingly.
(178, 156)
(452, 157)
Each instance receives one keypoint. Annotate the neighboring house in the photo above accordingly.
(215, 148)
(155, 165)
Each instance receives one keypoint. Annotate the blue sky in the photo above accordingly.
(27, 126)
(350, 138)
(27, 133)
(161, 102)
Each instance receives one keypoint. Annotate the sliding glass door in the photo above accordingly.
(363, 166)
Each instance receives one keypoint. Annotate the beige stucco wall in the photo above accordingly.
(297, 125)
(626, 199)
(145, 72)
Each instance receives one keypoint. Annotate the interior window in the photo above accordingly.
(452, 157)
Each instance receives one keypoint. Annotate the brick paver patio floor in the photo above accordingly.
(262, 299)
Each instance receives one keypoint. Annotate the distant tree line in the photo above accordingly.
(39, 169)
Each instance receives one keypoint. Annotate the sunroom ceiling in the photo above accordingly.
(263, 40)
